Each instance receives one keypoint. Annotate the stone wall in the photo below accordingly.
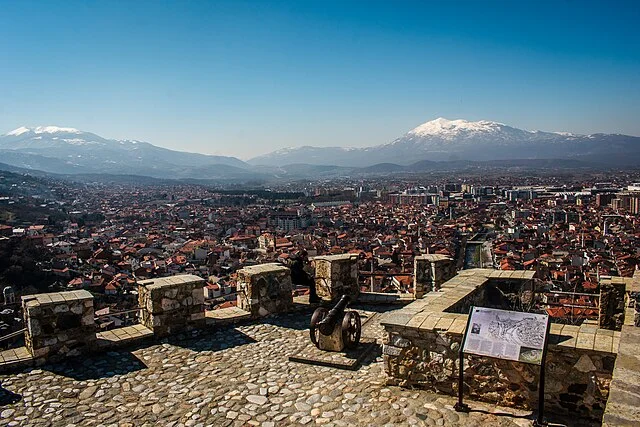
(336, 275)
(622, 406)
(612, 303)
(265, 289)
(59, 325)
(423, 339)
(430, 272)
(496, 293)
(577, 380)
(172, 304)
(632, 316)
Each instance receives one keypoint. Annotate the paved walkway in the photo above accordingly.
(236, 376)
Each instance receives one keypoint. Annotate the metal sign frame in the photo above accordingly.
(460, 406)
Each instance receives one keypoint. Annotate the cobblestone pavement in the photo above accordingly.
(236, 376)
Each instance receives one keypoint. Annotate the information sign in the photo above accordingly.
(509, 335)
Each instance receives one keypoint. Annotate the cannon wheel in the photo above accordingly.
(317, 317)
(351, 329)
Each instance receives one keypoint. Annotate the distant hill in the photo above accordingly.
(426, 165)
(384, 168)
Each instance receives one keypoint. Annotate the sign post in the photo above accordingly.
(507, 335)
(539, 422)
(460, 406)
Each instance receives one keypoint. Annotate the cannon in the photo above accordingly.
(335, 329)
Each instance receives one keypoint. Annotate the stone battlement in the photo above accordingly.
(59, 324)
(420, 338)
(236, 375)
(172, 304)
(430, 272)
(422, 342)
(336, 275)
(265, 289)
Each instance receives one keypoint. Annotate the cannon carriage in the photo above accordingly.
(335, 329)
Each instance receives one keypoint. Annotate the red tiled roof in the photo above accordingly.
(227, 304)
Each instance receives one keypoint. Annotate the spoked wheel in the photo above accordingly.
(351, 329)
(317, 317)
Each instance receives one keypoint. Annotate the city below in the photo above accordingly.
(60, 234)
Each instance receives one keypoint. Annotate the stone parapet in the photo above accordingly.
(265, 289)
(422, 341)
(632, 313)
(622, 406)
(430, 272)
(577, 380)
(384, 298)
(171, 305)
(59, 325)
(336, 275)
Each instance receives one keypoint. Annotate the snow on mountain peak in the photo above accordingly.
(42, 129)
(17, 132)
(450, 128)
(55, 129)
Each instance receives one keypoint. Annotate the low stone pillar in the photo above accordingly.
(612, 304)
(170, 305)
(265, 289)
(421, 276)
(59, 325)
(430, 272)
(337, 275)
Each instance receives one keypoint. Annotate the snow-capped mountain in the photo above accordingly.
(443, 140)
(463, 130)
(452, 130)
(42, 129)
(68, 150)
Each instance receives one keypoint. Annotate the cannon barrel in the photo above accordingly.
(334, 316)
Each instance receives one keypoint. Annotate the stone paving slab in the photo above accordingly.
(15, 357)
(226, 315)
(384, 298)
(235, 376)
(122, 336)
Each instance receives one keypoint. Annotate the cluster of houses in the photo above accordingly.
(114, 236)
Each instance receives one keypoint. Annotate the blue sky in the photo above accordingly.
(244, 78)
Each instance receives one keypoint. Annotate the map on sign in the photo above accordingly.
(503, 334)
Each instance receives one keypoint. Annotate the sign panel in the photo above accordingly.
(510, 335)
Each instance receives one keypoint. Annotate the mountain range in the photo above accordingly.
(68, 150)
(439, 144)
(451, 140)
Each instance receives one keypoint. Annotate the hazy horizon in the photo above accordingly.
(246, 78)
